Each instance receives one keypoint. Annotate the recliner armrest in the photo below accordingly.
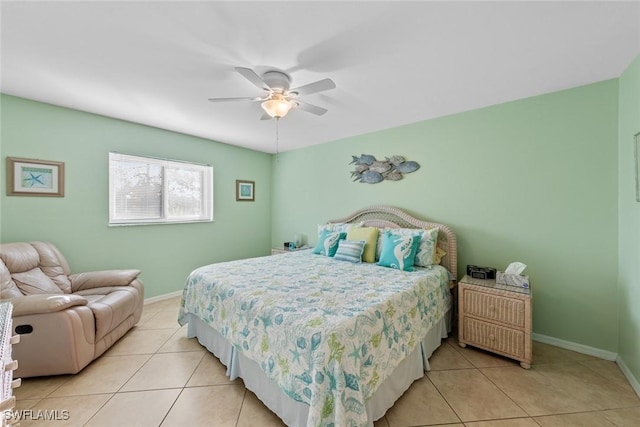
(98, 279)
(43, 303)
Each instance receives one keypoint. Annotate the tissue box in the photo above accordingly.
(517, 280)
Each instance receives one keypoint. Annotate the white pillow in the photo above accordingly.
(338, 227)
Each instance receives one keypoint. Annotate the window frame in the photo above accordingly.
(207, 193)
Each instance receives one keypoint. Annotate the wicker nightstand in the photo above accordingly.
(496, 318)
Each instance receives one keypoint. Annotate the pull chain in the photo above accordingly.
(277, 136)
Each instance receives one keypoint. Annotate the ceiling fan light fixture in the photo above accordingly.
(277, 106)
(279, 99)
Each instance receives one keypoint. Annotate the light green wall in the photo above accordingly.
(629, 221)
(533, 180)
(77, 223)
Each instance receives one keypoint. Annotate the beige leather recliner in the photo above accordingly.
(64, 320)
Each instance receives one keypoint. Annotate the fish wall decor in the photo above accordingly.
(371, 171)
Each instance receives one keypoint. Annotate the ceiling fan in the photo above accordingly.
(278, 99)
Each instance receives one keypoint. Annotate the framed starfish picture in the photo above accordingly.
(33, 177)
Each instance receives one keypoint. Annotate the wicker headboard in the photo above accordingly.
(390, 217)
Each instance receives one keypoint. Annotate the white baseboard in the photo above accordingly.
(579, 348)
(591, 351)
(162, 297)
(635, 384)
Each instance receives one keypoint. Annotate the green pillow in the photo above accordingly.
(369, 235)
(399, 251)
(328, 243)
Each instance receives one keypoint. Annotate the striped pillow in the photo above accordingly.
(350, 250)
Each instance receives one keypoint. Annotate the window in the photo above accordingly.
(145, 190)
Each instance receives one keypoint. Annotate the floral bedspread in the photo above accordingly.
(327, 332)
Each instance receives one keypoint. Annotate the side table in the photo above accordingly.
(496, 318)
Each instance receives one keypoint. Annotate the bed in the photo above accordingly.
(324, 342)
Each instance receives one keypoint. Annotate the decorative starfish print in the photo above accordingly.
(34, 179)
(355, 354)
(296, 355)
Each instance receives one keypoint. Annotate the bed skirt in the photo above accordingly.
(294, 413)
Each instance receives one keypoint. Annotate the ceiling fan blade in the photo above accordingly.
(251, 75)
(246, 98)
(310, 108)
(315, 87)
(265, 116)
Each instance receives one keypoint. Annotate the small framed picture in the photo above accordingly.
(245, 191)
(31, 177)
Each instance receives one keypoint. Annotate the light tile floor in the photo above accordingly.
(156, 376)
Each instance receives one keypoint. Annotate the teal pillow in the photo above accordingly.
(399, 251)
(328, 243)
(426, 250)
(350, 250)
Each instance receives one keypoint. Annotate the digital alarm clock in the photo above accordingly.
(484, 273)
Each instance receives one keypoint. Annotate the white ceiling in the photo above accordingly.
(394, 63)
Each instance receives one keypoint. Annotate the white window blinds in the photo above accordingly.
(148, 190)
